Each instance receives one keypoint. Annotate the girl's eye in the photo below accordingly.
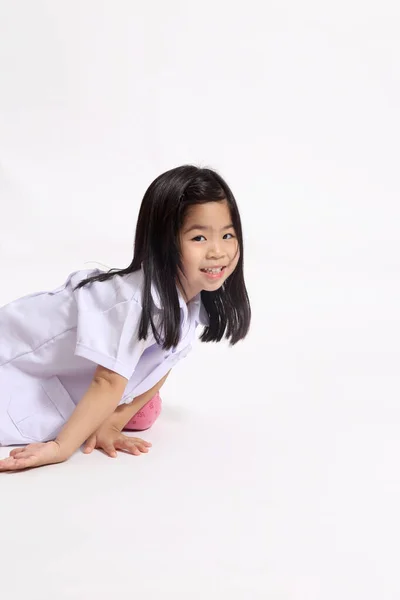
(196, 239)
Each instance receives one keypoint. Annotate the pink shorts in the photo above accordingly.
(146, 416)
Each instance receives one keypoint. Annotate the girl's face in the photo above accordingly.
(209, 248)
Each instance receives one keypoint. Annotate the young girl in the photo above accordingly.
(85, 361)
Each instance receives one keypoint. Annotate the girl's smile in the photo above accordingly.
(214, 272)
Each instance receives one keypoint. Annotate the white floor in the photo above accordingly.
(274, 472)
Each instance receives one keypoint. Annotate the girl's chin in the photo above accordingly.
(211, 286)
(207, 284)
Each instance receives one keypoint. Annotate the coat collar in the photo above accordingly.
(195, 308)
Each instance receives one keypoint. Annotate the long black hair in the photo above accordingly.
(157, 252)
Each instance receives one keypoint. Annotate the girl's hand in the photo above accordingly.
(110, 439)
(34, 455)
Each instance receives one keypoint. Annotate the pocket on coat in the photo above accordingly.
(39, 408)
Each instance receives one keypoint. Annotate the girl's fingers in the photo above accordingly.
(13, 464)
(21, 454)
(134, 446)
(90, 444)
(16, 451)
(6, 464)
(142, 447)
(26, 462)
(131, 446)
(140, 441)
(110, 450)
(126, 446)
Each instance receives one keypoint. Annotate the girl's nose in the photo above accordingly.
(215, 251)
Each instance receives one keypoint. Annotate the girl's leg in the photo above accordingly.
(146, 416)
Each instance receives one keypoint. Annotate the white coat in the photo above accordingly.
(51, 343)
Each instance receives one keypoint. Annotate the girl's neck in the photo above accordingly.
(185, 295)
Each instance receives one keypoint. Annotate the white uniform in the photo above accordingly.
(51, 343)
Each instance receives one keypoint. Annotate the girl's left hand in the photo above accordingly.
(110, 439)
(34, 455)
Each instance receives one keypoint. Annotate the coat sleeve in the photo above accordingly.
(108, 335)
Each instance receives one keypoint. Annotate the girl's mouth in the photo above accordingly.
(214, 273)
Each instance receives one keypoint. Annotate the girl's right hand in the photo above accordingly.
(110, 439)
(33, 455)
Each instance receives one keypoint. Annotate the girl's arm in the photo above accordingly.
(109, 438)
(98, 403)
(125, 412)
(96, 407)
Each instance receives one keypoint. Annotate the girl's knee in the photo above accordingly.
(146, 416)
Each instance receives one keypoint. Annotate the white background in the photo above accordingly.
(274, 471)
